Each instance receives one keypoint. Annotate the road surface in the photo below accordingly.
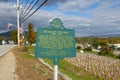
(5, 48)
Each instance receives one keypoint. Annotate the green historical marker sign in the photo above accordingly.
(55, 41)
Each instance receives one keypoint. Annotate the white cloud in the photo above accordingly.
(76, 5)
(7, 15)
(105, 18)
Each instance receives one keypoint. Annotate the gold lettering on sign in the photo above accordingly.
(55, 42)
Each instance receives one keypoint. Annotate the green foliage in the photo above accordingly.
(13, 35)
(77, 50)
(77, 40)
(78, 47)
(112, 47)
(31, 49)
(2, 38)
(95, 43)
(114, 40)
(84, 40)
(102, 43)
(88, 49)
(106, 51)
(31, 34)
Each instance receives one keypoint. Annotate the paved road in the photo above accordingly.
(5, 48)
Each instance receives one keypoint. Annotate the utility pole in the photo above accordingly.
(17, 6)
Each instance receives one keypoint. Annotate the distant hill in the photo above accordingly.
(6, 34)
(105, 36)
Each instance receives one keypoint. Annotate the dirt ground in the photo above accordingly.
(7, 67)
(29, 68)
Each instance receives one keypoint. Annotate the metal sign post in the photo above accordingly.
(55, 69)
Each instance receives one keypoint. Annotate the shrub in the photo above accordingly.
(88, 49)
(105, 50)
(78, 47)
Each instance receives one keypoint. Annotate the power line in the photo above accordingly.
(35, 10)
(23, 9)
(30, 9)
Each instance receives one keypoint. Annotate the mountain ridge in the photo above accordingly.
(7, 35)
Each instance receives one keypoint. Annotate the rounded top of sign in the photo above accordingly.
(57, 23)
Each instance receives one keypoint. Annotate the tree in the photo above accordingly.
(77, 40)
(95, 43)
(13, 36)
(88, 49)
(106, 51)
(31, 35)
(1, 38)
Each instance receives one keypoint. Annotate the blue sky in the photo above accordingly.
(87, 17)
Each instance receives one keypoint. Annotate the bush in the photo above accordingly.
(88, 49)
(105, 50)
(78, 47)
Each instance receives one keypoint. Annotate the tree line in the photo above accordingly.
(105, 48)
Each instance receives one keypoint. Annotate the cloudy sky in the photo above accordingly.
(87, 17)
